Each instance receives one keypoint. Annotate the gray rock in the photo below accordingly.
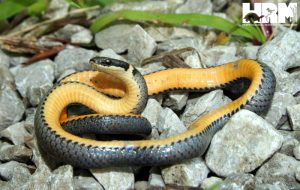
(4, 185)
(277, 185)
(152, 111)
(36, 94)
(86, 183)
(141, 185)
(287, 135)
(286, 126)
(57, 9)
(280, 168)
(21, 175)
(176, 100)
(139, 43)
(114, 178)
(11, 169)
(16, 60)
(297, 173)
(190, 173)
(68, 31)
(288, 146)
(196, 6)
(282, 51)
(249, 52)
(293, 113)
(29, 121)
(75, 33)
(161, 34)
(37, 158)
(211, 182)
(281, 80)
(287, 84)
(43, 178)
(156, 181)
(17, 153)
(244, 143)
(218, 55)
(219, 4)
(73, 58)
(196, 108)
(154, 134)
(16, 133)
(238, 182)
(111, 54)
(169, 124)
(4, 145)
(192, 59)
(6, 77)
(111, 38)
(188, 42)
(11, 107)
(38, 75)
(62, 178)
(277, 110)
(298, 98)
(155, 6)
(4, 59)
(296, 151)
(40, 179)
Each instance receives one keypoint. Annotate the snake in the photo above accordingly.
(117, 93)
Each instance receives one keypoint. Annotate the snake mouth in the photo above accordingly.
(106, 62)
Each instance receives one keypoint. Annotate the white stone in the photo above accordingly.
(244, 143)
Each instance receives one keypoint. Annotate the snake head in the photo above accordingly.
(105, 63)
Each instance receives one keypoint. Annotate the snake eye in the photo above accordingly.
(101, 61)
(109, 62)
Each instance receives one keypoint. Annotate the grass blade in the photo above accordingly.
(176, 20)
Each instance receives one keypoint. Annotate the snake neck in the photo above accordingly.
(136, 91)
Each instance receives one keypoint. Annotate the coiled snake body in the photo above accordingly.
(120, 79)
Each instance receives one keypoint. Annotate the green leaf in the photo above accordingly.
(37, 8)
(73, 3)
(10, 8)
(177, 20)
(105, 2)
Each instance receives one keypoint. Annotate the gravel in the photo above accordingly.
(249, 152)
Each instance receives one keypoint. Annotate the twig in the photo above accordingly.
(74, 13)
(170, 59)
(44, 54)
